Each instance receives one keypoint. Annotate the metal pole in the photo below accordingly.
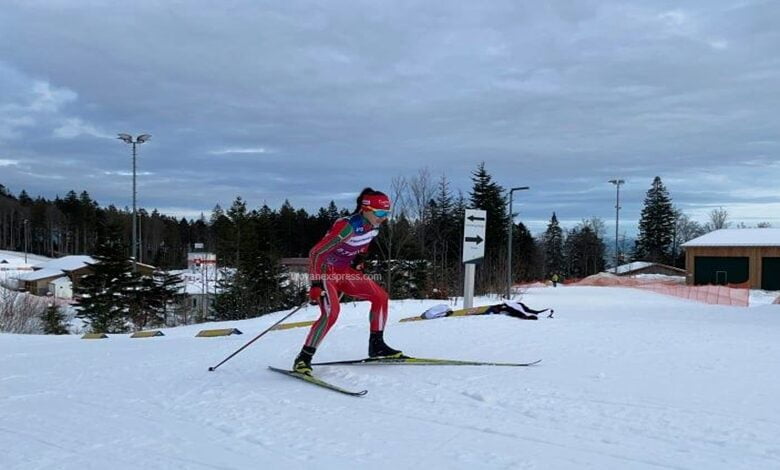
(617, 225)
(509, 245)
(617, 183)
(204, 290)
(468, 286)
(509, 251)
(213, 368)
(26, 238)
(134, 249)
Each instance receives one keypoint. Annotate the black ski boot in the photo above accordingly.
(302, 364)
(378, 348)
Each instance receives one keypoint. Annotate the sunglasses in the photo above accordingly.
(381, 213)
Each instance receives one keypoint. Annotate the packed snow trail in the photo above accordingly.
(629, 379)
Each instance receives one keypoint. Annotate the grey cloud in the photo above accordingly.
(300, 100)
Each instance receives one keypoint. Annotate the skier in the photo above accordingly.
(332, 271)
(508, 307)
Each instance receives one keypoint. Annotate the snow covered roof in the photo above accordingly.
(66, 263)
(40, 274)
(15, 257)
(625, 268)
(738, 237)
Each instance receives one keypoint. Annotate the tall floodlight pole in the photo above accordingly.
(509, 243)
(128, 139)
(26, 237)
(617, 184)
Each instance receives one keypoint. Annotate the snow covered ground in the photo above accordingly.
(629, 380)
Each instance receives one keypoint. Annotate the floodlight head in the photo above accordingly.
(126, 137)
(143, 138)
(520, 188)
(618, 182)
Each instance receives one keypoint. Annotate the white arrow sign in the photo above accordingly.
(474, 235)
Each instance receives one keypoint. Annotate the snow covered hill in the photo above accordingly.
(629, 380)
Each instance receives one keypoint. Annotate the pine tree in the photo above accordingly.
(53, 320)
(584, 252)
(553, 248)
(524, 254)
(445, 225)
(656, 226)
(24, 198)
(168, 288)
(239, 217)
(224, 235)
(142, 304)
(260, 285)
(102, 295)
(332, 212)
(228, 301)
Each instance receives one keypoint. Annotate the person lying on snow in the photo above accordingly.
(509, 307)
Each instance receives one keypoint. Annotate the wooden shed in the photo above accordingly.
(735, 256)
(645, 267)
(37, 282)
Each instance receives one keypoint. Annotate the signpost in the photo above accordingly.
(473, 250)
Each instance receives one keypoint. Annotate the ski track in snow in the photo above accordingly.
(629, 379)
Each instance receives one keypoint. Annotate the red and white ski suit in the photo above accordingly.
(330, 261)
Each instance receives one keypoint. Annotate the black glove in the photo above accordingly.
(359, 261)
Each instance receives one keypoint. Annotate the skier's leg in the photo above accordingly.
(329, 313)
(362, 287)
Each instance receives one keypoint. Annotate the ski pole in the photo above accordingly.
(212, 369)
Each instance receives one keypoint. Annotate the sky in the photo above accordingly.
(312, 101)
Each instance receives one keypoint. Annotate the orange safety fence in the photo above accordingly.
(733, 294)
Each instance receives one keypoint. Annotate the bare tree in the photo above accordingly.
(718, 220)
(421, 189)
(393, 239)
(20, 312)
(684, 229)
(597, 225)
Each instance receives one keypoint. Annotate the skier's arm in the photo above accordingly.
(360, 259)
(340, 231)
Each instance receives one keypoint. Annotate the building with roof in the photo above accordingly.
(748, 256)
(61, 276)
(60, 273)
(199, 257)
(37, 282)
(646, 267)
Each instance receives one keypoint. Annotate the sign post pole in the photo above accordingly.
(468, 286)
